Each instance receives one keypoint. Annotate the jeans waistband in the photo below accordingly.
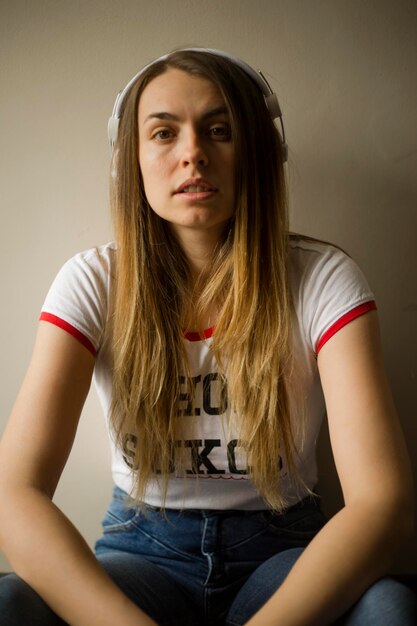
(311, 502)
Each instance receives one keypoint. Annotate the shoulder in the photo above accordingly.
(312, 261)
(306, 254)
(99, 258)
(328, 288)
(79, 297)
(90, 270)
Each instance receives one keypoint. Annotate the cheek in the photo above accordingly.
(156, 178)
(154, 166)
(229, 171)
(148, 172)
(229, 161)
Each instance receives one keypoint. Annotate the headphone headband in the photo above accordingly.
(271, 99)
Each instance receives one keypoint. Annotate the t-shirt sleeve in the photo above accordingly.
(77, 300)
(334, 293)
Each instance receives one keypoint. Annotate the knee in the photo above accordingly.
(386, 602)
(388, 592)
(13, 590)
(261, 585)
(20, 604)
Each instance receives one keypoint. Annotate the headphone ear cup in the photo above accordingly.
(275, 112)
(273, 105)
(114, 165)
(112, 130)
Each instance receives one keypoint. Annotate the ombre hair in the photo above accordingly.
(247, 284)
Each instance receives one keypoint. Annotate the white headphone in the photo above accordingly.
(271, 99)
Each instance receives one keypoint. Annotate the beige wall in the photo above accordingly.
(345, 73)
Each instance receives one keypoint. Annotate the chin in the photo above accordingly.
(198, 223)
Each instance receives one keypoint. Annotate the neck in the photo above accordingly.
(198, 246)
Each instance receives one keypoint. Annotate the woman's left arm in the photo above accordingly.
(358, 545)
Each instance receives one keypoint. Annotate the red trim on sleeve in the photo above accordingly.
(57, 321)
(196, 336)
(345, 319)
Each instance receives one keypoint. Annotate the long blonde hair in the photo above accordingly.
(247, 283)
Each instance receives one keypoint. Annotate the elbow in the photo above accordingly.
(405, 511)
(407, 522)
(397, 499)
(402, 523)
(390, 519)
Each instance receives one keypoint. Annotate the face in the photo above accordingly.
(186, 152)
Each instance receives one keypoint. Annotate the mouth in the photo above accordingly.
(195, 189)
(198, 185)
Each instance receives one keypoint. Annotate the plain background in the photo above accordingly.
(345, 74)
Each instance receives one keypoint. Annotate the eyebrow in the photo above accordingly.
(164, 115)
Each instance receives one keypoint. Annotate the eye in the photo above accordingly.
(163, 134)
(222, 132)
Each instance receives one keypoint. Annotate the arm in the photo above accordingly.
(357, 546)
(41, 544)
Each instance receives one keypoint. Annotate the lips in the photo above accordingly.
(195, 185)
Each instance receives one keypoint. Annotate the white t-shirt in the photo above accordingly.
(329, 291)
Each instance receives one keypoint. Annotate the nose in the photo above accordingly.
(193, 152)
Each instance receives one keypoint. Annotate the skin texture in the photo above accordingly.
(184, 134)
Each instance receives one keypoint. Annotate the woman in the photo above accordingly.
(216, 343)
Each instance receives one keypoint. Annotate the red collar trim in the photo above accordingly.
(199, 336)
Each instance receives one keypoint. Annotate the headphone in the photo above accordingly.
(270, 97)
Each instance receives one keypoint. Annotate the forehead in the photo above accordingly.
(176, 91)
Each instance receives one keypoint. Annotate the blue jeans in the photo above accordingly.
(206, 568)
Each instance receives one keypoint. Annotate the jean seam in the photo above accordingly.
(207, 555)
(185, 555)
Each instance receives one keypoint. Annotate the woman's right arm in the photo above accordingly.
(42, 545)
